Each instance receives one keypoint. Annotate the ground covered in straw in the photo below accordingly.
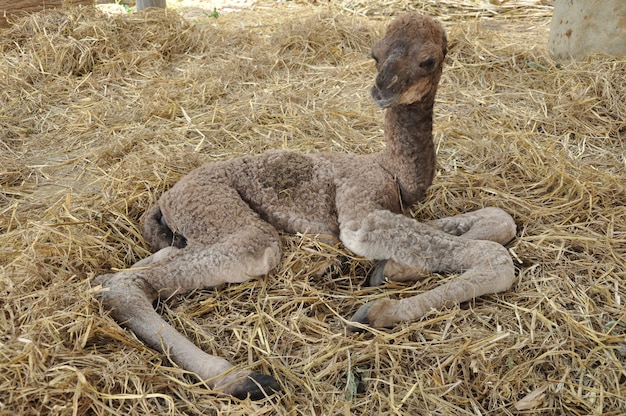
(99, 115)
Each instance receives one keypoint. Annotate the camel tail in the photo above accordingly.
(157, 232)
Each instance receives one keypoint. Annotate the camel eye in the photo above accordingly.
(428, 63)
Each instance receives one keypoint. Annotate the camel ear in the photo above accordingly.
(444, 38)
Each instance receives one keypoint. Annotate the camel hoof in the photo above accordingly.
(361, 316)
(377, 277)
(256, 387)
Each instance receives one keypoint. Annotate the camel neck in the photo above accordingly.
(410, 151)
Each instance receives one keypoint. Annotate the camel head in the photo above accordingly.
(409, 60)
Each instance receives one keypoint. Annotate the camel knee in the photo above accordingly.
(494, 265)
(123, 292)
(378, 235)
(493, 224)
(264, 262)
(503, 224)
(506, 270)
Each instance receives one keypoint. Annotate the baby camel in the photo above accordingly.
(219, 223)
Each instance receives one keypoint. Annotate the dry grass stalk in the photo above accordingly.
(99, 115)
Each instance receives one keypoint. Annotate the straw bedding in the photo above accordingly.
(99, 115)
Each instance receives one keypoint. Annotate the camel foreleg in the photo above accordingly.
(492, 224)
(485, 266)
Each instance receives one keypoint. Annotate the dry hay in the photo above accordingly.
(99, 115)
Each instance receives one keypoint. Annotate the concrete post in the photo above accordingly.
(580, 27)
(144, 4)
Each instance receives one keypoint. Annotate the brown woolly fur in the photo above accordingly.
(100, 115)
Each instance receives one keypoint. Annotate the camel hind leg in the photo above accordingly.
(252, 251)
